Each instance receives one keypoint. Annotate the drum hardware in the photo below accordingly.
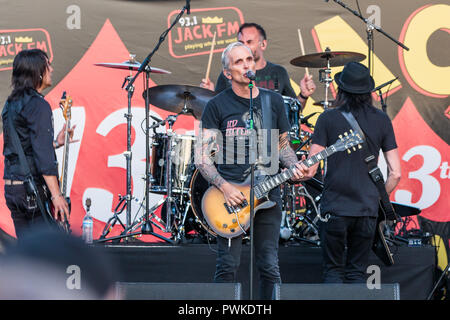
(326, 60)
(125, 201)
(180, 99)
(300, 215)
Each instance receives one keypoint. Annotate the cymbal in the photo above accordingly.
(130, 65)
(319, 60)
(322, 103)
(180, 98)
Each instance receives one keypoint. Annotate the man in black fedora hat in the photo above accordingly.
(350, 197)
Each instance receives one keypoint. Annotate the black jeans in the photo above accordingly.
(265, 238)
(25, 212)
(355, 233)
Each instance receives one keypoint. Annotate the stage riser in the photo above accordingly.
(413, 270)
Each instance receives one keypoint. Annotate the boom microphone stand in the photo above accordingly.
(370, 28)
(147, 227)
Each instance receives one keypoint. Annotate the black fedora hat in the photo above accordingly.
(355, 78)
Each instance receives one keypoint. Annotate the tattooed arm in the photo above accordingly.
(205, 164)
(289, 159)
(204, 160)
(287, 156)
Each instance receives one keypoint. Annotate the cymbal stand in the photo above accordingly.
(147, 228)
(168, 178)
(325, 77)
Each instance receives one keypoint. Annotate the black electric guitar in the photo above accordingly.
(380, 246)
(63, 221)
(230, 222)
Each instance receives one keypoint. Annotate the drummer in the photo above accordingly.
(268, 75)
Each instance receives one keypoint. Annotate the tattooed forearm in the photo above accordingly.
(204, 160)
(287, 156)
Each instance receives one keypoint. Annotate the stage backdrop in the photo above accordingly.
(76, 34)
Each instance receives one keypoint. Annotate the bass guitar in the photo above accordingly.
(231, 222)
(63, 221)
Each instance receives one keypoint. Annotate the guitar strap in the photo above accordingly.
(30, 185)
(374, 171)
(264, 142)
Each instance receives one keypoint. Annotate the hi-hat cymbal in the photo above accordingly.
(319, 60)
(130, 65)
(180, 98)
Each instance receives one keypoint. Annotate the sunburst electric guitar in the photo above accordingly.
(230, 222)
(63, 221)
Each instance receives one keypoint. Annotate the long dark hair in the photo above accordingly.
(352, 101)
(29, 68)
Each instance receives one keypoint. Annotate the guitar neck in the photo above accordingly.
(65, 161)
(280, 178)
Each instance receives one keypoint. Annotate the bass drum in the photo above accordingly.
(198, 187)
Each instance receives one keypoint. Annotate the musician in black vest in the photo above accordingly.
(33, 122)
(350, 196)
(224, 125)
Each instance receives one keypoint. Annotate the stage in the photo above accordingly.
(195, 263)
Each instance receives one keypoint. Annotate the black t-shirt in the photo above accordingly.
(348, 189)
(228, 113)
(272, 76)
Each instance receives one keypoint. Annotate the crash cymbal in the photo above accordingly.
(322, 103)
(319, 60)
(180, 98)
(130, 65)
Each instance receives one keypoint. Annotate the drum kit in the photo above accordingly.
(172, 172)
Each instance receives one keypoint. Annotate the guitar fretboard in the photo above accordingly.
(264, 187)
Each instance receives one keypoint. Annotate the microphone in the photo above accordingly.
(250, 74)
(384, 84)
(188, 6)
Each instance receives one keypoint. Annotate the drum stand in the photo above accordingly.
(146, 227)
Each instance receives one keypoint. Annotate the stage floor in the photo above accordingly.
(413, 269)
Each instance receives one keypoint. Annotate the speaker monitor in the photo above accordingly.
(177, 291)
(336, 291)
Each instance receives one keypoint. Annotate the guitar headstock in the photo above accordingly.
(66, 104)
(348, 141)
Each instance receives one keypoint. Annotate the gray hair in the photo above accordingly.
(226, 53)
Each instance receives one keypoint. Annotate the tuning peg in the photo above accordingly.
(359, 146)
(340, 136)
(348, 151)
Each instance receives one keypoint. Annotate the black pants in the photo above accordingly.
(265, 238)
(354, 233)
(25, 212)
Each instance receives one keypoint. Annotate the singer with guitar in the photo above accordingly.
(350, 196)
(224, 129)
(28, 121)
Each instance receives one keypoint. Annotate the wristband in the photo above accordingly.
(302, 96)
(57, 145)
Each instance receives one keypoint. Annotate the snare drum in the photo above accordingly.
(180, 148)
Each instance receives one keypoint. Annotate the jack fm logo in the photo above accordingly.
(14, 41)
(194, 34)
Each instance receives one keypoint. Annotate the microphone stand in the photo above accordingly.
(250, 127)
(370, 28)
(147, 227)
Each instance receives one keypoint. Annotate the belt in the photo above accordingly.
(12, 182)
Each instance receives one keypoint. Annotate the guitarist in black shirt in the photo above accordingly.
(33, 121)
(350, 196)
